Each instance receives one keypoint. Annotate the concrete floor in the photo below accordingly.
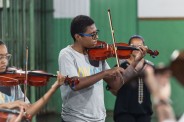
(54, 117)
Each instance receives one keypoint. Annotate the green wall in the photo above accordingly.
(31, 22)
(124, 24)
(123, 13)
(163, 35)
(166, 36)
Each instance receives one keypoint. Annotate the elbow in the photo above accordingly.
(112, 90)
(76, 88)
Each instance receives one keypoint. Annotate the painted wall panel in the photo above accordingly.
(164, 36)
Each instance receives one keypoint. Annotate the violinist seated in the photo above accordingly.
(13, 97)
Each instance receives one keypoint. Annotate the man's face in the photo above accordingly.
(89, 38)
(3, 58)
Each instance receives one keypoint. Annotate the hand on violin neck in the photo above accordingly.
(138, 55)
(60, 80)
(139, 65)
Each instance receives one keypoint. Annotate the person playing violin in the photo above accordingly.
(158, 82)
(159, 86)
(133, 102)
(13, 97)
(85, 102)
(9, 94)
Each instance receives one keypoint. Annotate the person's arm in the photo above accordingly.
(15, 104)
(160, 89)
(68, 66)
(118, 82)
(87, 81)
(15, 118)
(35, 107)
(130, 72)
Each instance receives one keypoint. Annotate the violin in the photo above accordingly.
(5, 112)
(13, 77)
(102, 51)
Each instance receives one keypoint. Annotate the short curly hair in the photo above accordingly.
(79, 24)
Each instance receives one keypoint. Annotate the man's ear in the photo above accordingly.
(77, 37)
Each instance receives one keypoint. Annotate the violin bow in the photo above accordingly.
(25, 83)
(113, 37)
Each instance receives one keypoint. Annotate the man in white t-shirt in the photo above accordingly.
(85, 101)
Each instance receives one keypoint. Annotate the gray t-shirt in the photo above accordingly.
(86, 105)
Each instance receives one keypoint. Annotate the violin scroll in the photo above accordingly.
(153, 53)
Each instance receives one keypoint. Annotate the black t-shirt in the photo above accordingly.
(127, 97)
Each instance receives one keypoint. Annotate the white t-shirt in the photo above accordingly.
(86, 105)
(15, 94)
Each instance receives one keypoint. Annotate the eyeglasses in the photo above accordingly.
(136, 45)
(6, 56)
(93, 35)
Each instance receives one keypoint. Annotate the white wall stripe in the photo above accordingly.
(71, 8)
(160, 8)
